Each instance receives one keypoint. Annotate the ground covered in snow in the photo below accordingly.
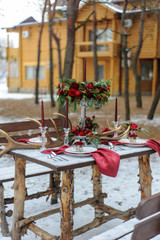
(123, 191)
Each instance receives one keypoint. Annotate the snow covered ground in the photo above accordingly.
(123, 191)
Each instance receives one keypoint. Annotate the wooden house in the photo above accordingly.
(22, 61)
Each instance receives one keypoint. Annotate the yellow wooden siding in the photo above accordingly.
(29, 54)
(149, 44)
(102, 12)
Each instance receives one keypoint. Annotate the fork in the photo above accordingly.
(54, 156)
(111, 146)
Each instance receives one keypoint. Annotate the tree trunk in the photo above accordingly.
(95, 59)
(126, 79)
(51, 69)
(136, 56)
(57, 40)
(51, 61)
(124, 52)
(154, 104)
(72, 9)
(38, 56)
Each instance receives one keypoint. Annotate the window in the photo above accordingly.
(147, 70)
(13, 69)
(31, 72)
(13, 40)
(103, 35)
(100, 71)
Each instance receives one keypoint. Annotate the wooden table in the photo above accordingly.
(67, 166)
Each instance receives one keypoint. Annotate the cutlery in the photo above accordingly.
(54, 156)
(111, 146)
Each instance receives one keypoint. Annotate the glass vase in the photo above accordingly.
(132, 136)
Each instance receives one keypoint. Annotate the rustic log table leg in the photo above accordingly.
(67, 191)
(145, 176)
(3, 221)
(97, 189)
(54, 184)
(19, 197)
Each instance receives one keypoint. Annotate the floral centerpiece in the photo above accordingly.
(93, 93)
(134, 129)
(89, 132)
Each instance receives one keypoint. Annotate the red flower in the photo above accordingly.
(107, 87)
(79, 143)
(78, 93)
(72, 92)
(90, 85)
(74, 85)
(62, 92)
(132, 135)
(89, 125)
(134, 126)
(81, 133)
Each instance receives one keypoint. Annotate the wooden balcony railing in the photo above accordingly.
(104, 49)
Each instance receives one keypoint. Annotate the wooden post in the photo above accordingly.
(19, 197)
(67, 191)
(145, 177)
(3, 221)
(97, 189)
(54, 184)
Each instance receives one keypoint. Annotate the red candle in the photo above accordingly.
(66, 125)
(115, 111)
(42, 114)
(84, 70)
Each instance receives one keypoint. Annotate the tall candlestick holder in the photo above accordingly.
(43, 135)
(83, 112)
(115, 127)
(66, 137)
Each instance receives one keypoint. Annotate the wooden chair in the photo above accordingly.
(149, 227)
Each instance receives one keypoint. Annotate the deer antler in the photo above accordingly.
(120, 136)
(55, 126)
(61, 115)
(111, 132)
(34, 120)
(49, 143)
(12, 144)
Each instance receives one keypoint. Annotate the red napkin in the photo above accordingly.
(155, 145)
(57, 151)
(23, 140)
(106, 160)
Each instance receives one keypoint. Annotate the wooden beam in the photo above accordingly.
(41, 233)
(145, 177)
(26, 221)
(34, 195)
(99, 221)
(19, 197)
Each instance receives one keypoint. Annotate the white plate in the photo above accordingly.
(38, 140)
(73, 151)
(138, 141)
